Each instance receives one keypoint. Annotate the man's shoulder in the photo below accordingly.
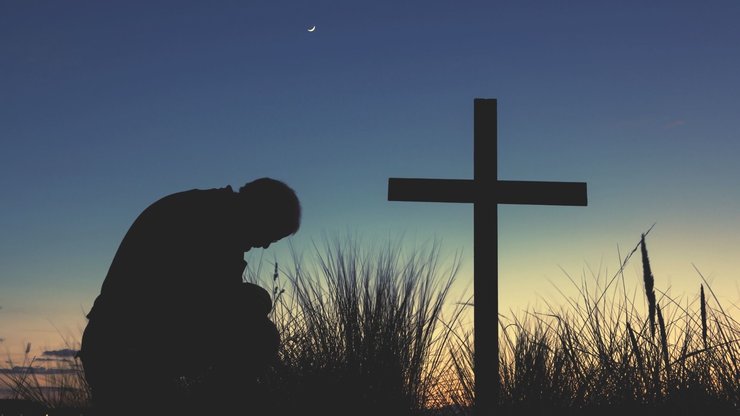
(193, 197)
(197, 193)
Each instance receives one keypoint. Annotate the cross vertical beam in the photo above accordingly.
(485, 258)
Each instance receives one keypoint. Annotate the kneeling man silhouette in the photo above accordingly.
(174, 310)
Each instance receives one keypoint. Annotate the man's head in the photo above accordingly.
(272, 212)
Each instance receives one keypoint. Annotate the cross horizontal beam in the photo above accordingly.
(502, 192)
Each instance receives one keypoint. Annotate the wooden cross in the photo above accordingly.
(485, 192)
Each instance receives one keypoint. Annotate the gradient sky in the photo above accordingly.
(107, 106)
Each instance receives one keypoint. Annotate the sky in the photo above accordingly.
(106, 107)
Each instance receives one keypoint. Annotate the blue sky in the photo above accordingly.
(107, 106)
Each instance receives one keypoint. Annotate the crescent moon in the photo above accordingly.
(312, 28)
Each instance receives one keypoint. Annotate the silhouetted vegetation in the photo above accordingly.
(365, 331)
(362, 331)
(600, 353)
(45, 386)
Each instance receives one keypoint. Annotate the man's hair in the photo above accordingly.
(278, 199)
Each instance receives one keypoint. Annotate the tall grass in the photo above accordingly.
(61, 385)
(599, 352)
(362, 331)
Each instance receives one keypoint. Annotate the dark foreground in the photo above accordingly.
(9, 407)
